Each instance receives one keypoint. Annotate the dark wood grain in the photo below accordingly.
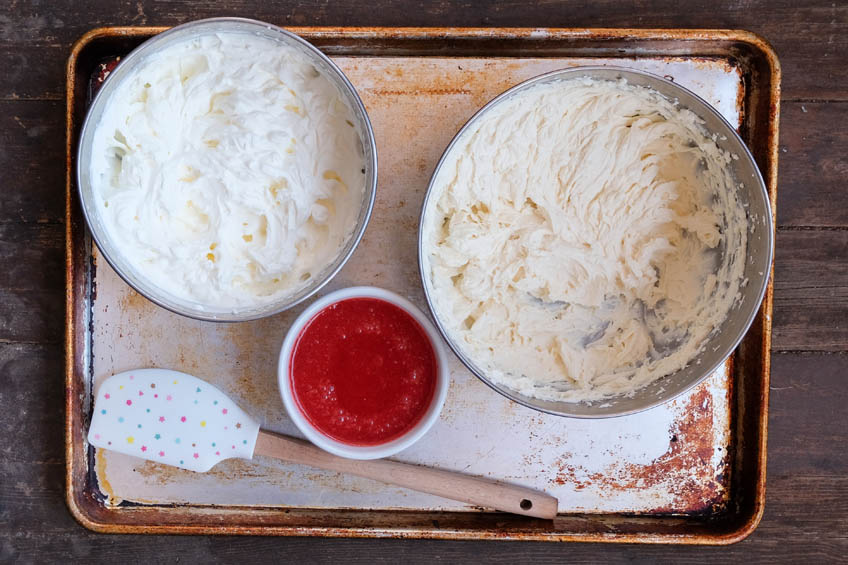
(34, 38)
(32, 282)
(811, 290)
(813, 165)
(32, 157)
(807, 432)
(806, 511)
(807, 502)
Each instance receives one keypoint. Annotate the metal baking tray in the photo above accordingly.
(691, 471)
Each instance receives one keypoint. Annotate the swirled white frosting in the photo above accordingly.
(227, 170)
(584, 239)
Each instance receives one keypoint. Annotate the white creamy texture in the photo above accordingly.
(575, 241)
(228, 171)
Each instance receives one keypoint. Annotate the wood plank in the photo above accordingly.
(811, 291)
(32, 161)
(806, 35)
(34, 72)
(810, 193)
(33, 400)
(807, 488)
(32, 282)
(31, 316)
(805, 518)
(32, 256)
(807, 430)
(806, 511)
(813, 165)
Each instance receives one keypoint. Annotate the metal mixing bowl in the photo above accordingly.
(113, 253)
(720, 345)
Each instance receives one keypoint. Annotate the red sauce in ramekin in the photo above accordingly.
(363, 371)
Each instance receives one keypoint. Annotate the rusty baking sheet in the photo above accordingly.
(691, 471)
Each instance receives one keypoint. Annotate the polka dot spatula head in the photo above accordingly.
(177, 419)
(172, 418)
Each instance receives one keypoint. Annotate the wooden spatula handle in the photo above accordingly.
(455, 486)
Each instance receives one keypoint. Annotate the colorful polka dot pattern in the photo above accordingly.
(190, 425)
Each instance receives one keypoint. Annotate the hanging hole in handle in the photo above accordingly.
(526, 504)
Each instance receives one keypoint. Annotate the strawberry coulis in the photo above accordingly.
(363, 371)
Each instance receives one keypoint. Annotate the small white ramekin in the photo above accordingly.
(371, 451)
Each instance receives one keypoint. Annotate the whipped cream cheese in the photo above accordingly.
(583, 239)
(227, 170)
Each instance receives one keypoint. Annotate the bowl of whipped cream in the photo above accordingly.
(595, 241)
(227, 169)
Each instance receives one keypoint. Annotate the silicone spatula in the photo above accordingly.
(177, 419)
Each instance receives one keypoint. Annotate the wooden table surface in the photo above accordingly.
(807, 501)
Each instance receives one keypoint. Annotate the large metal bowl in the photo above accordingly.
(722, 343)
(113, 253)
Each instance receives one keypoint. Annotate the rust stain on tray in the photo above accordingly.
(103, 482)
(134, 302)
(685, 470)
(429, 91)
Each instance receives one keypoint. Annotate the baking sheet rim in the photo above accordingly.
(73, 399)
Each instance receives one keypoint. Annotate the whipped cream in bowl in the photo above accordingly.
(595, 241)
(227, 169)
